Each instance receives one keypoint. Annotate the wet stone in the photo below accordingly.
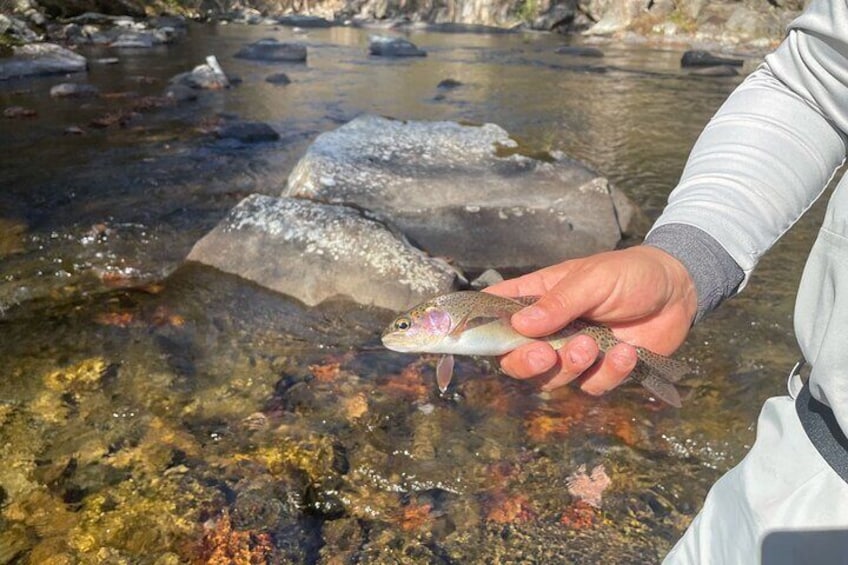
(74, 90)
(202, 77)
(248, 132)
(274, 51)
(448, 84)
(13, 112)
(279, 79)
(699, 58)
(301, 21)
(466, 192)
(320, 252)
(41, 59)
(134, 41)
(386, 46)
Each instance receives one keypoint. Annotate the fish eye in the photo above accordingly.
(402, 324)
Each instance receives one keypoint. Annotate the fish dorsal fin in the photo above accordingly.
(526, 300)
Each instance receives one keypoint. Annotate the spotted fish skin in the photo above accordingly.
(478, 323)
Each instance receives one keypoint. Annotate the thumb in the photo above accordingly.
(567, 300)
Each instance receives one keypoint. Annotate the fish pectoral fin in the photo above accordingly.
(444, 372)
(470, 322)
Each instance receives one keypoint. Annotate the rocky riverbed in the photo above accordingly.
(157, 410)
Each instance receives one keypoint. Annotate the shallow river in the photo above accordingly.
(153, 412)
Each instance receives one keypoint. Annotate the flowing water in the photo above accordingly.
(154, 412)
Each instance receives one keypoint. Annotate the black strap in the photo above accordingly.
(824, 431)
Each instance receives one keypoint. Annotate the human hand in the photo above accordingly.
(643, 294)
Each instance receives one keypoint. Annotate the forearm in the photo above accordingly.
(763, 159)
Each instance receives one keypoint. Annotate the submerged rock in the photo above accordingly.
(579, 51)
(135, 40)
(315, 252)
(279, 79)
(247, 132)
(74, 90)
(274, 51)
(449, 84)
(41, 59)
(386, 46)
(13, 112)
(696, 58)
(465, 192)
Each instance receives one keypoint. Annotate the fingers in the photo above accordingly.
(560, 367)
(572, 296)
(531, 284)
(530, 360)
(578, 358)
(616, 365)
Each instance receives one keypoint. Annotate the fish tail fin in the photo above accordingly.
(659, 387)
(657, 374)
(670, 369)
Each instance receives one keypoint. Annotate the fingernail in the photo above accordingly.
(532, 313)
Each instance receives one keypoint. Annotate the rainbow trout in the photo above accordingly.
(478, 323)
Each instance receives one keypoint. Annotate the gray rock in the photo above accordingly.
(304, 21)
(273, 50)
(19, 112)
(180, 93)
(208, 76)
(175, 22)
(41, 59)
(449, 84)
(579, 51)
(135, 40)
(316, 252)
(387, 46)
(96, 18)
(74, 90)
(247, 132)
(278, 79)
(465, 192)
(698, 58)
(556, 16)
(18, 29)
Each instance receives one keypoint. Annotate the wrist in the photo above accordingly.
(712, 273)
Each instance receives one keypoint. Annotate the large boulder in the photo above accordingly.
(466, 192)
(41, 59)
(316, 252)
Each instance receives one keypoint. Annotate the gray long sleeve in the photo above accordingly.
(764, 158)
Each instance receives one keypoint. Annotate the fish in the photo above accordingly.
(478, 323)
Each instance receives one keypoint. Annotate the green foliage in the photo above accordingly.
(682, 21)
(528, 10)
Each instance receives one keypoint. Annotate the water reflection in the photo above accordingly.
(158, 414)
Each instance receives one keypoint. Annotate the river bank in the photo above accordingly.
(751, 25)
